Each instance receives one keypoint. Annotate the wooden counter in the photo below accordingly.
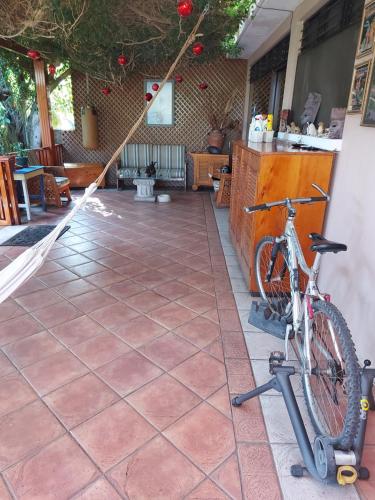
(270, 172)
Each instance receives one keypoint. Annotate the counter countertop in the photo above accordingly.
(262, 148)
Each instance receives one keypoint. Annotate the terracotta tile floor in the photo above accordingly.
(118, 361)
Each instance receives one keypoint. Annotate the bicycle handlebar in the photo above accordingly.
(290, 201)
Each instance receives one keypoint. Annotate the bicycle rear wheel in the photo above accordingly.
(332, 390)
(273, 278)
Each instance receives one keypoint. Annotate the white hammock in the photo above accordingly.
(26, 264)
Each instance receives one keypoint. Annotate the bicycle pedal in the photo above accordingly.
(276, 359)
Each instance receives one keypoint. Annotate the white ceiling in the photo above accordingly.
(268, 19)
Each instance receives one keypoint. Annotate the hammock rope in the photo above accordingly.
(25, 265)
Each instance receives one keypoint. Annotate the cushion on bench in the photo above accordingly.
(170, 160)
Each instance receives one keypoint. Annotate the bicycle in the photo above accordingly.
(322, 340)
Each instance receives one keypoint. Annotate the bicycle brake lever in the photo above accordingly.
(321, 191)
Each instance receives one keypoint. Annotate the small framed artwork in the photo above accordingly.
(368, 115)
(161, 113)
(367, 36)
(358, 89)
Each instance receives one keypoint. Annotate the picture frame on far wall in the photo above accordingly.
(358, 88)
(367, 36)
(368, 115)
(161, 113)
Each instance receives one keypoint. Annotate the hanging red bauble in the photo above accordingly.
(33, 54)
(106, 90)
(178, 79)
(198, 48)
(185, 8)
(148, 96)
(51, 69)
(155, 87)
(122, 60)
(203, 85)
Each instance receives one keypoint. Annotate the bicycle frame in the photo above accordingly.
(301, 308)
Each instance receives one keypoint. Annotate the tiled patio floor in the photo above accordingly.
(118, 360)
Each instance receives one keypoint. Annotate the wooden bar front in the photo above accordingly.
(270, 172)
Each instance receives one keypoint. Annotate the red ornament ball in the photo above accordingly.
(33, 54)
(198, 48)
(122, 60)
(155, 87)
(106, 90)
(185, 8)
(51, 69)
(148, 96)
(178, 79)
(203, 85)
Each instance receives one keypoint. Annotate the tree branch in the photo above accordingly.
(54, 83)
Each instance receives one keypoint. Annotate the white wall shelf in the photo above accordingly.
(316, 142)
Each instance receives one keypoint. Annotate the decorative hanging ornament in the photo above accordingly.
(51, 69)
(203, 85)
(155, 87)
(106, 90)
(33, 54)
(148, 96)
(122, 60)
(184, 8)
(198, 48)
(178, 79)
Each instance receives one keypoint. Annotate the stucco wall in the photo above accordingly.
(350, 277)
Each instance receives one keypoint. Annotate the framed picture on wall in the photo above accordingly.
(161, 113)
(368, 116)
(358, 89)
(367, 36)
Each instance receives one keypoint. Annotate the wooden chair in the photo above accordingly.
(56, 185)
(222, 186)
(223, 195)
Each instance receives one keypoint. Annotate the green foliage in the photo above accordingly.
(92, 34)
(14, 110)
(61, 98)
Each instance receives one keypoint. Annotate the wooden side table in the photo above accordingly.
(204, 164)
(22, 175)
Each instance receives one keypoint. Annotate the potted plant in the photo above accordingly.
(219, 120)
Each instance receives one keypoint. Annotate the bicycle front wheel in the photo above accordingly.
(273, 278)
(332, 389)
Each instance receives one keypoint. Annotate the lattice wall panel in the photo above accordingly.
(261, 94)
(118, 111)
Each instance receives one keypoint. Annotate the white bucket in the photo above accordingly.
(268, 136)
(164, 198)
(256, 136)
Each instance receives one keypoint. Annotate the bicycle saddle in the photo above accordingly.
(322, 245)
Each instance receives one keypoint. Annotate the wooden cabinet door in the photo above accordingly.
(249, 199)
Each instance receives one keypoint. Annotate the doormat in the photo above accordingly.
(31, 235)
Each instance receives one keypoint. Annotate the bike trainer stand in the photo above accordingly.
(322, 461)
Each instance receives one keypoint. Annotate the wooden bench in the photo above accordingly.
(170, 162)
(81, 175)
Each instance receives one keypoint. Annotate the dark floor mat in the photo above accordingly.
(31, 235)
